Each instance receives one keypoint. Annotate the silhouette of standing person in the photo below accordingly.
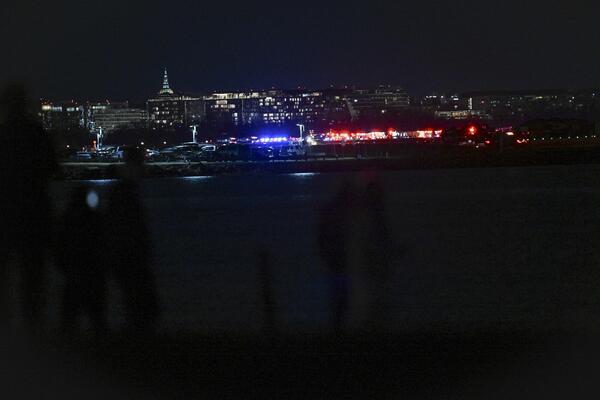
(376, 253)
(80, 260)
(355, 243)
(334, 224)
(129, 244)
(27, 162)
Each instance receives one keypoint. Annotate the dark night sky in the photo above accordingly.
(117, 49)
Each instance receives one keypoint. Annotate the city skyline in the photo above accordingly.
(160, 90)
(171, 110)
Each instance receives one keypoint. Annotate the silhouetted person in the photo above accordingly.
(355, 244)
(376, 252)
(80, 259)
(334, 226)
(128, 243)
(26, 163)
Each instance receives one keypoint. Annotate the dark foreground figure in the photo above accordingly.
(129, 249)
(26, 163)
(356, 248)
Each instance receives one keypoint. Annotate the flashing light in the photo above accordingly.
(310, 140)
(472, 130)
(278, 139)
(510, 133)
(333, 136)
(488, 142)
(425, 134)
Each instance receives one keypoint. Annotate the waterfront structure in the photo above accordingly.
(169, 110)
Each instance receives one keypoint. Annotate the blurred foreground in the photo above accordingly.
(470, 283)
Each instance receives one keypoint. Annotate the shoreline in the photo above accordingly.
(424, 158)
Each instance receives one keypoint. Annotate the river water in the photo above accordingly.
(499, 247)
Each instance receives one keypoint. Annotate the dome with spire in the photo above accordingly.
(166, 89)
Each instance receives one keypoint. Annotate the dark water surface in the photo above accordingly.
(483, 247)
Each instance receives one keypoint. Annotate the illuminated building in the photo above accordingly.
(169, 110)
(112, 118)
(275, 107)
(373, 102)
(462, 114)
(92, 108)
(62, 117)
(515, 106)
(444, 102)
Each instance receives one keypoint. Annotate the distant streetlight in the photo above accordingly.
(99, 136)
(194, 132)
(301, 128)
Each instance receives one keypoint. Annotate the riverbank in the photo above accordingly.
(425, 157)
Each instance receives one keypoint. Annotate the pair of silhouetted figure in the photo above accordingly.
(97, 246)
(355, 244)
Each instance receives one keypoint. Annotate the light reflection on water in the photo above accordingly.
(196, 178)
(99, 181)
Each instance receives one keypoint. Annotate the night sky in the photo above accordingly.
(117, 49)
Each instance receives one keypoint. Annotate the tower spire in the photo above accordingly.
(166, 89)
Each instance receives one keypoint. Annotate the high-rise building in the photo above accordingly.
(169, 110)
(518, 106)
(62, 116)
(93, 108)
(112, 118)
(275, 107)
(365, 103)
